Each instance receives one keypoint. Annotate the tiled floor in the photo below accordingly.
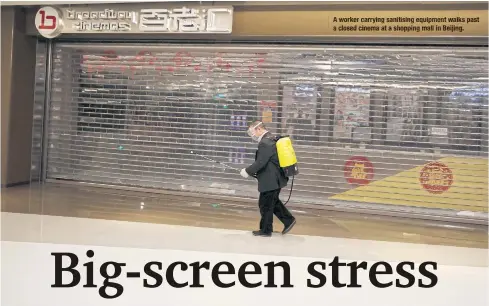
(99, 203)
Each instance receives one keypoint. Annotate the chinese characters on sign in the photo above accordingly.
(436, 177)
(358, 170)
(175, 62)
(182, 20)
(144, 20)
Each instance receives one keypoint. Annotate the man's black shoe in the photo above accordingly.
(261, 234)
(288, 228)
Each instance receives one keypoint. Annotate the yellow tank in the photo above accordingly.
(285, 152)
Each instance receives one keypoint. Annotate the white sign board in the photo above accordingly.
(51, 22)
(439, 131)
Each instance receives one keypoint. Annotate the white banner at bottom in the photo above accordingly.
(35, 274)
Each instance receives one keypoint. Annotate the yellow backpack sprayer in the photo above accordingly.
(287, 159)
(286, 156)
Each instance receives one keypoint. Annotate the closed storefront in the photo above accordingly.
(373, 126)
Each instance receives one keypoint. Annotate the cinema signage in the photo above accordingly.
(52, 21)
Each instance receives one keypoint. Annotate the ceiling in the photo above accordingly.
(240, 3)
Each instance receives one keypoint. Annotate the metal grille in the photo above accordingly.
(38, 113)
(372, 125)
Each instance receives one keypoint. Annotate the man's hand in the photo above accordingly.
(244, 173)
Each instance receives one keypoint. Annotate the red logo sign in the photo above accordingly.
(48, 22)
(358, 170)
(436, 177)
(50, 19)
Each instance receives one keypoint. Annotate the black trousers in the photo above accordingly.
(270, 204)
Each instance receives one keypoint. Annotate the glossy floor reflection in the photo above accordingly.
(99, 203)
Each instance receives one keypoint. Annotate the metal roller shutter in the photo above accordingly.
(405, 126)
(38, 112)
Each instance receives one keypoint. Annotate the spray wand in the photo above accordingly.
(215, 161)
(236, 169)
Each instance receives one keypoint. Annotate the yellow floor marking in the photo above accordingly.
(467, 192)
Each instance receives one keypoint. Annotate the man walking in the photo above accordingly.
(271, 180)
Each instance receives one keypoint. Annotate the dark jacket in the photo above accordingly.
(266, 166)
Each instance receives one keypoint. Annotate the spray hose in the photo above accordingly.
(291, 187)
(230, 167)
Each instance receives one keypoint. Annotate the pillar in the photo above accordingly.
(18, 60)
